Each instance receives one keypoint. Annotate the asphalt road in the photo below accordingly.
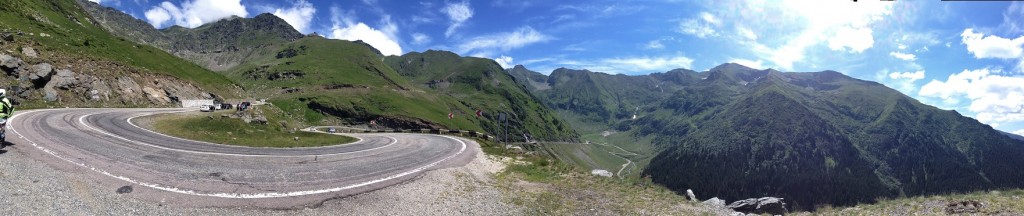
(107, 146)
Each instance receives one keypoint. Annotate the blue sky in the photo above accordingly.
(966, 56)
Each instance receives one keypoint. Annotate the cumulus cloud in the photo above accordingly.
(855, 40)
(504, 61)
(840, 25)
(910, 76)
(458, 13)
(992, 46)
(702, 26)
(995, 98)
(374, 37)
(299, 15)
(383, 39)
(904, 56)
(194, 13)
(504, 41)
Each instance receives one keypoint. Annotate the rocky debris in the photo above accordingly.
(40, 71)
(128, 88)
(965, 206)
(714, 202)
(601, 172)
(689, 194)
(64, 79)
(29, 52)
(156, 96)
(7, 37)
(248, 117)
(11, 65)
(769, 205)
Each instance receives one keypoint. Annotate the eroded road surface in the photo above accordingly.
(108, 146)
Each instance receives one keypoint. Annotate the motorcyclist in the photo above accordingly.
(6, 111)
(6, 108)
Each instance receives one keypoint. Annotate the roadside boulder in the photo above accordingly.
(689, 194)
(764, 205)
(714, 202)
(49, 94)
(64, 79)
(10, 62)
(7, 37)
(260, 119)
(40, 71)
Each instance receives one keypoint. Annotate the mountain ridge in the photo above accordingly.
(702, 128)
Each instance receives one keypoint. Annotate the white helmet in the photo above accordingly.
(3, 92)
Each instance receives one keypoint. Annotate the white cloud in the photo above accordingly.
(702, 26)
(654, 44)
(374, 37)
(746, 33)
(1019, 132)
(384, 38)
(995, 98)
(992, 46)
(904, 56)
(504, 41)
(458, 13)
(299, 15)
(504, 61)
(910, 76)
(632, 65)
(855, 39)
(749, 63)
(194, 13)
(97, 1)
(840, 25)
(420, 38)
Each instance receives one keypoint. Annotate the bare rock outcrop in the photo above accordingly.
(763, 205)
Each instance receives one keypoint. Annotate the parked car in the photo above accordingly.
(225, 106)
(332, 130)
(244, 106)
(206, 108)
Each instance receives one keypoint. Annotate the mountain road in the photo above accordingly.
(109, 147)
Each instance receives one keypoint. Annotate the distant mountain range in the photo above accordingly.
(319, 79)
(813, 138)
(733, 132)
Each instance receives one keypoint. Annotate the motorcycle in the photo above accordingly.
(3, 132)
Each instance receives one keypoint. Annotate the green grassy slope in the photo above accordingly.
(72, 34)
(481, 84)
(818, 138)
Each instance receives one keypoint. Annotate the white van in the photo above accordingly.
(206, 108)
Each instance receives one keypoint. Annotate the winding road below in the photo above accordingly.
(110, 147)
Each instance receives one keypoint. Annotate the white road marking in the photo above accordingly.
(240, 195)
(173, 137)
(81, 120)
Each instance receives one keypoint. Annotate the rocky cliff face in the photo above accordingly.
(42, 79)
